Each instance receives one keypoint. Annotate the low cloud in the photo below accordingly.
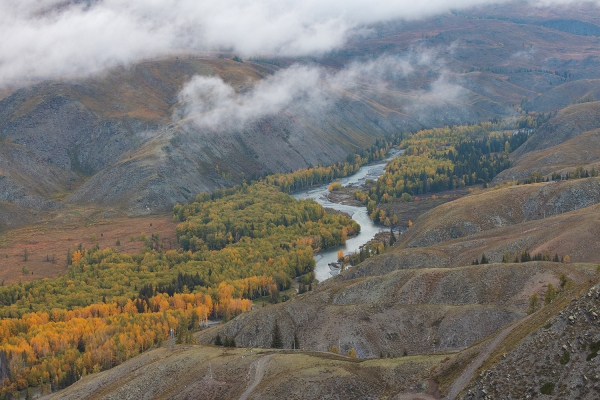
(524, 55)
(56, 38)
(209, 102)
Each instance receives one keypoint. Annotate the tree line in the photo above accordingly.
(436, 160)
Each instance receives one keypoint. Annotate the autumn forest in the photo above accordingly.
(234, 246)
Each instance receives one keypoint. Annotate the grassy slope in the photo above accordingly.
(302, 375)
(567, 140)
(65, 231)
(498, 208)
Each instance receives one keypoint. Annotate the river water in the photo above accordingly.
(368, 229)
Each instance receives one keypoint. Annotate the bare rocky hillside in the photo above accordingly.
(117, 132)
(565, 95)
(416, 311)
(567, 140)
(558, 360)
(572, 234)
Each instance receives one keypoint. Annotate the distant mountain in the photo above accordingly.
(569, 139)
(573, 26)
(112, 139)
(116, 132)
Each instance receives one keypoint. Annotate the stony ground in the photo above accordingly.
(561, 354)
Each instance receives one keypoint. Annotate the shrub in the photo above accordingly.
(563, 280)
(547, 388)
(565, 358)
(550, 294)
(534, 303)
(335, 186)
(594, 348)
(406, 197)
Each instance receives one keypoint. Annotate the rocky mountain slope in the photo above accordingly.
(570, 234)
(417, 311)
(117, 129)
(117, 132)
(558, 359)
(565, 95)
(568, 123)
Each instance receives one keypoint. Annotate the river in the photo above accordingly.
(368, 229)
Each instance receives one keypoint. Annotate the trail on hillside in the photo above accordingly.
(414, 396)
(261, 366)
(466, 376)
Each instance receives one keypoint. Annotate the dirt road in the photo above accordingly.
(261, 366)
(468, 373)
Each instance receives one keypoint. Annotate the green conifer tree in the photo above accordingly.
(276, 342)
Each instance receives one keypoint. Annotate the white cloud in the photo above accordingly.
(208, 102)
(55, 38)
(524, 55)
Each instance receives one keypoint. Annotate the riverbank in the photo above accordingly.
(355, 210)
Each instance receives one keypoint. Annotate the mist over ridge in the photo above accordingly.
(51, 39)
(209, 102)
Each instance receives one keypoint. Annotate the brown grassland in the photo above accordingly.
(53, 239)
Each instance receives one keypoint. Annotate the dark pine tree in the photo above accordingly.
(276, 342)
(484, 259)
